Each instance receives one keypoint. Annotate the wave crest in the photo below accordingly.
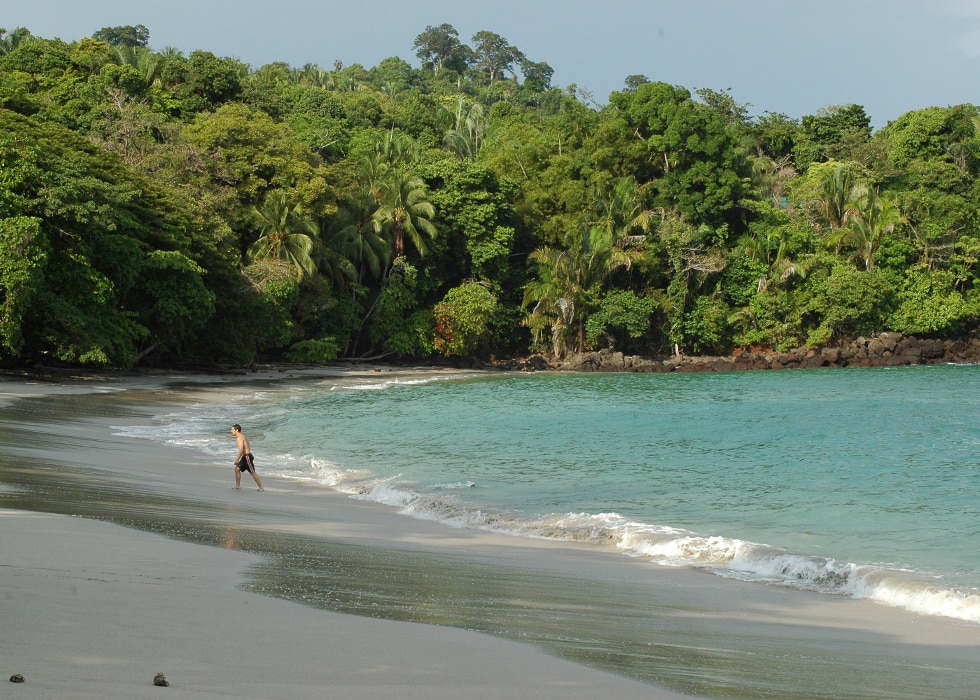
(669, 546)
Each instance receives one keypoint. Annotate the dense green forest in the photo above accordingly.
(158, 208)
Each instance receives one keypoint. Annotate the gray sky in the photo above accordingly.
(790, 56)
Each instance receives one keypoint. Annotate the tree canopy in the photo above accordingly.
(157, 208)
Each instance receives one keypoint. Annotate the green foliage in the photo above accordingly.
(124, 36)
(476, 207)
(683, 149)
(568, 284)
(440, 47)
(23, 253)
(171, 299)
(706, 326)
(397, 325)
(209, 82)
(248, 151)
(833, 134)
(284, 234)
(314, 351)
(775, 133)
(462, 319)
(771, 320)
(622, 317)
(82, 335)
(317, 118)
(93, 224)
(847, 303)
(493, 55)
(930, 305)
(134, 185)
(934, 132)
(742, 277)
(274, 278)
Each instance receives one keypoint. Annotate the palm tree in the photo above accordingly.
(372, 170)
(358, 233)
(869, 219)
(771, 176)
(406, 212)
(622, 214)
(397, 148)
(569, 282)
(332, 263)
(144, 60)
(464, 136)
(311, 75)
(553, 298)
(13, 39)
(285, 234)
(837, 190)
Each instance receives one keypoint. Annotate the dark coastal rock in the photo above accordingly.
(855, 353)
(723, 364)
(890, 340)
(956, 350)
(161, 680)
(785, 360)
(637, 363)
(931, 349)
(831, 356)
(813, 359)
(612, 362)
(16, 678)
(884, 350)
(535, 363)
(750, 360)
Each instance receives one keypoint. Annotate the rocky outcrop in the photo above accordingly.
(884, 350)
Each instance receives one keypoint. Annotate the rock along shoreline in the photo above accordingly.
(884, 350)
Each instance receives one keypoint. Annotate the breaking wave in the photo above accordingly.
(668, 546)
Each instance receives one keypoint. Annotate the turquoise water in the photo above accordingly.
(859, 482)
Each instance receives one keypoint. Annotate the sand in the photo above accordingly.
(95, 610)
(92, 609)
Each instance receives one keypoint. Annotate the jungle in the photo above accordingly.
(163, 209)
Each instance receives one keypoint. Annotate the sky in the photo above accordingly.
(793, 57)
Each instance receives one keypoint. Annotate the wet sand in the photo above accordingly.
(242, 593)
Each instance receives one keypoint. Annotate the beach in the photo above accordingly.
(122, 558)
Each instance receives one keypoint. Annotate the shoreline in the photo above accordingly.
(884, 350)
(888, 349)
(94, 608)
(295, 528)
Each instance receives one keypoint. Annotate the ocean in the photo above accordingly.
(848, 482)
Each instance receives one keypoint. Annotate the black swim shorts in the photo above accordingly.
(246, 463)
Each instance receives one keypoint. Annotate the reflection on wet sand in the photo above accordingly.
(649, 633)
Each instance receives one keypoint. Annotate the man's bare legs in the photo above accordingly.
(238, 479)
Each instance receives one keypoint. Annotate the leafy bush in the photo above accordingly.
(461, 319)
(314, 350)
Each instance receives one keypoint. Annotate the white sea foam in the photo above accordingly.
(668, 546)
(394, 382)
(447, 502)
(928, 600)
(455, 486)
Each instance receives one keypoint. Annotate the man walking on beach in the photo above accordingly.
(244, 462)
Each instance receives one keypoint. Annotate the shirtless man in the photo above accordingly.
(244, 461)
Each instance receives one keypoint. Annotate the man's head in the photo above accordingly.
(236, 428)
